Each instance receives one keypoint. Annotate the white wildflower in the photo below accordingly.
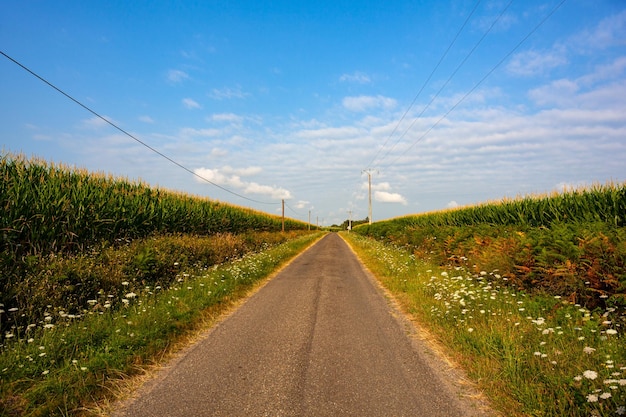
(590, 374)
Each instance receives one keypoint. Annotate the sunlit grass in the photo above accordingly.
(533, 355)
(66, 362)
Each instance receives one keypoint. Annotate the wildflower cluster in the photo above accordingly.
(550, 336)
(538, 346)
(114, 333)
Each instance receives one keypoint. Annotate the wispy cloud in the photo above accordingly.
(177, 76)
(228, 93)
(609, 32)
(146, 119)
(191, 103)
(302, 204)
(356, 77)
(342, 132)
(244, 172)
(219, 152)
(188, 132)
(530, 63)
(564, 91)
(96, 122)
(363, 103)
(500, 23)
(226, 117)
(557, 92)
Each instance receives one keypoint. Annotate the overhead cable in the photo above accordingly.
(424, 85)
(178, 164)
(449, 79)
(484, 78)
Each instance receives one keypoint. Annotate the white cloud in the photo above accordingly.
(244, 172)
(610, 32)
(386, 197)
(191, 103)
(581, 92)
(229, 177)
(559, 91)
(303, 204)
(187, 132)
(146, 119)
(219, 152)
(452, 204)
(270, 191)
(226, 117)
(363, 103)
(228, 93)
(330, 133)
(356, 77)
(497, 23)
(605, 72)
(97, 122)
(530, 63)
(177, 76)
(382, 186)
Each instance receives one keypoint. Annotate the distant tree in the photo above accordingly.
(346, 223)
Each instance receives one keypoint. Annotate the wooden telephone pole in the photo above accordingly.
(369, 181)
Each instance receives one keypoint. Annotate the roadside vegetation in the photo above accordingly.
(528, 295)
(101, 277)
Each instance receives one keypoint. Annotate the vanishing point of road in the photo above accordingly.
(319, 339)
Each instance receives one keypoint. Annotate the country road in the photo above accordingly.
(319, 339)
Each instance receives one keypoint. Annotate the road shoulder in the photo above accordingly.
(452, 377)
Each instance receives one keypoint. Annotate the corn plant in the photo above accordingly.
(49, 208)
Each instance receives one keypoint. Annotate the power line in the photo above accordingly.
(484, 78)
(294, 212)
(128, 134)
(449, 79)
(424, 85)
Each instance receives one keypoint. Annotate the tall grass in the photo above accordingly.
(69, 364)
(531, 354)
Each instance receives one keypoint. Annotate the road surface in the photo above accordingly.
(320, 339)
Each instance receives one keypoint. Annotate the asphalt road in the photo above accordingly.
(319, 339)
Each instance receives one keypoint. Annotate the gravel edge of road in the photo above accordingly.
(452, 377)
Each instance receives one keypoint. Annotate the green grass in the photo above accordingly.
(531, 354)
(67, 364)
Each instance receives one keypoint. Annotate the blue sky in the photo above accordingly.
(295, 100)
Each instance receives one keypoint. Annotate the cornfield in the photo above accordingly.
(597, 204)
(48, 208)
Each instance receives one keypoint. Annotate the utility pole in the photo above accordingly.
(369, 181)
(349, 220)
(283, 215)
